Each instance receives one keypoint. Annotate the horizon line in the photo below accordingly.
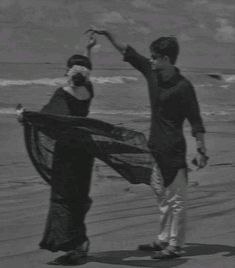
(118, 67)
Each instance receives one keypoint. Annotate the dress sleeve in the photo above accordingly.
(138, 61)
(191, 109)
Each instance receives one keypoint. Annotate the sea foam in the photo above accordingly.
(62, 80)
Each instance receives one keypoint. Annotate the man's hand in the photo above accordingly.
(121, 47)
(200, 160)
(95, 30)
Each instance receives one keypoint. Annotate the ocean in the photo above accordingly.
(119, 93)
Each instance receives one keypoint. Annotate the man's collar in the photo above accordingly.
(172, 81)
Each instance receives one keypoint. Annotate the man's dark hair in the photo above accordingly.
(79, 60)
(166, 46)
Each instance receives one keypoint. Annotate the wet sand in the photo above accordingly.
(122, 215)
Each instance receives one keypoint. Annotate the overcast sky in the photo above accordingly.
(46, 29)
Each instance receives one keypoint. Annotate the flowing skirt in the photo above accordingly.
(71, 177)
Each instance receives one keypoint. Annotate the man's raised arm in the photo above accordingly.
(138, 61)
(121, 47)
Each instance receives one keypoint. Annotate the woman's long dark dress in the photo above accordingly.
(72, 169)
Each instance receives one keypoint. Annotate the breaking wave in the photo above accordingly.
(62, 80)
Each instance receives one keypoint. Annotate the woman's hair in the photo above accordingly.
(78, 78)
(166, 46)
(79, 60)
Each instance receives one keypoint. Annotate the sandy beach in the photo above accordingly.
(122, 215)
(37, 37)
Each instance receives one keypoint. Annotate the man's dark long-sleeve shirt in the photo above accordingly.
(172, 102)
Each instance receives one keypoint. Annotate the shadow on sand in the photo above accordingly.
(131, 258)
(196, 249)
(142, 259)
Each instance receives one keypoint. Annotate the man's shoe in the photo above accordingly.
(153, 246)
(169, 252)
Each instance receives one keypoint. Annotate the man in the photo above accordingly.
(172, 98)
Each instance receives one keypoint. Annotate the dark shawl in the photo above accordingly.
(124, 150)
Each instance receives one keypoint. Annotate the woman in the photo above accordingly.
(72, 168)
